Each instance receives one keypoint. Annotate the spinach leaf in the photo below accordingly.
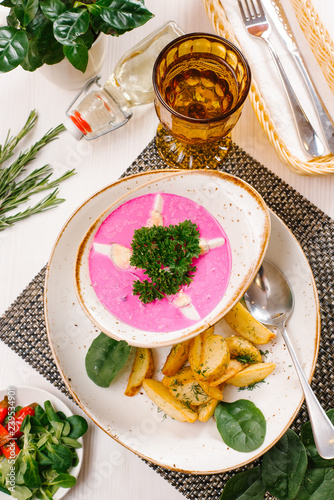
(308, 441)
(60, 455)
(284, 466)
(317, 485)
(241, 425)
(78, 426)
(246, 485)
(31, 476)
(105, 358)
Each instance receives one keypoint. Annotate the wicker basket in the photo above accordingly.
(323, 49)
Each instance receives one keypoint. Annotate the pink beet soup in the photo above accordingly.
(113, 286)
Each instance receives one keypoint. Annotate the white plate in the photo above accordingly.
(135, 422)
(27, 395)
(240, 211)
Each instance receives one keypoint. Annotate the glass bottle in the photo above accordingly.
(106, 108)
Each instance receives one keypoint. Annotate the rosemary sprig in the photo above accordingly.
(6, 151)
(46, 203)
(15, 192)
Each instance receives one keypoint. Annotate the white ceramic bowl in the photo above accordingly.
(238, 208)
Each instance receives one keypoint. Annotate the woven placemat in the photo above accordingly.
(23, 329)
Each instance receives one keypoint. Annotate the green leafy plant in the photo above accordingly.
(291, 470)
(165, 254)
(46, 31)
(15, 189)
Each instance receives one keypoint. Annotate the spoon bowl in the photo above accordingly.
(270, 300)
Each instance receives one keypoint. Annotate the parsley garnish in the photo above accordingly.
(246, 359)
(165, 254)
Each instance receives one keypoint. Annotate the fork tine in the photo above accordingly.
(242, 12)
(254, 9)
(260, 8)
(245, 15)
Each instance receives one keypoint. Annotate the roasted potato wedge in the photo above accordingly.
(240, 347)
(183, 375)
(206, 411)
(189, 392)
(232, 369)
(252, 374)
(215, 357)
(176, 358)
(143, 367)
(215, 392)
(173, 407)
(248, 327)
(195, 352)
(208, 332)
(184, 386)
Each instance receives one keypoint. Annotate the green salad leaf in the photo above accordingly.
(317, 484)
(246, 485)
(284, 466)
(46, 454)
(105, 358)
(307, 438)
(241, 425)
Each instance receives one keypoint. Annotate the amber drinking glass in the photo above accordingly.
(200, 82)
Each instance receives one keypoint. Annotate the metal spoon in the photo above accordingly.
(269, 299)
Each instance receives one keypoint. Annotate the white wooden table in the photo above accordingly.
(109, 470)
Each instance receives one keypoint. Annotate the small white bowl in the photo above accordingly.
(244, 217)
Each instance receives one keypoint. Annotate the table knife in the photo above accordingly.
(279, 19)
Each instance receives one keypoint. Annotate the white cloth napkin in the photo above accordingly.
(267, 77)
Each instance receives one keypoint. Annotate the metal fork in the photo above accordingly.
(258, 26)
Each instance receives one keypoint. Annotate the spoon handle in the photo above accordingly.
(323, 429)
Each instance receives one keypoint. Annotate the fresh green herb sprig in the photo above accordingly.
(252, 386)
(165, 254)
(246, 359)
(14, 190)
(47, 454)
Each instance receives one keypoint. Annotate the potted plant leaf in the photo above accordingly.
(42, 32)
